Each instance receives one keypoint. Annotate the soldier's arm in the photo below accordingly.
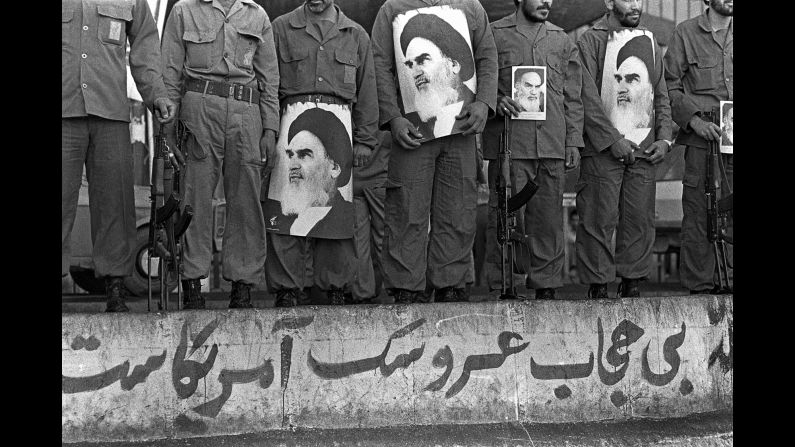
(145, 54)
(662, 107)
(572, 100)
(266, 70)
(596, 124)
(384, 65)
(676, 67)
(173, 59)
(365, 111)
(485, 54)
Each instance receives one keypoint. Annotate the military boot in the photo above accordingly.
(402, 296)
(336, 297)
(287, 298)
(240, 297)
(114, 288)
(628, 288)
(598, 292)
(450, 295)
(545, 294)
(192, 297)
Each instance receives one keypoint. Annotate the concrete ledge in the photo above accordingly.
(206, 373)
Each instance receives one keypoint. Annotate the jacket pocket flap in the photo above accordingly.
(116, 11)
(347, 57)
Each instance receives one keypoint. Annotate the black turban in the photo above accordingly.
(640, 47)
(444, 36)
(331, 132)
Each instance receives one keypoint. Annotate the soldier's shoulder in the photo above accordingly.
(688, 25)
(552, 27)
(182, 4)
(504, 22)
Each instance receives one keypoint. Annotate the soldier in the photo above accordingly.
(627, 130)
(324, 57)
(220, 68)
(432, 180)
(95, 129)
(699, 71)
(541, 151)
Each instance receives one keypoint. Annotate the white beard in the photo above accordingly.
(298, 197)
(730, 134)
(437, 94)
(528, 105)
(635, 115)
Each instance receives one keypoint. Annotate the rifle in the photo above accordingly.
(718, 211)
(507, 206)
(167, 224)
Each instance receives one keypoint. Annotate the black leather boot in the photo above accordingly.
(287, 297)
(240, 297)
(628, 288)
(402, 296)
(336, 297)
(597, 292)
(192, 297)
(450, 295)
(114, 288)
(545, 294)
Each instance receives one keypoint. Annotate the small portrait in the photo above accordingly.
(310, 192)
(727, 127)
(436, 70)
(627, 92)
(530, 92)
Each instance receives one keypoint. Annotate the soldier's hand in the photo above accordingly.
(361, 155)
(171, 142)
(572, 157)
(658, 149)
(165, 110)
(506, 105)
(705, 129)
(622, 150)
(405, 133)
(476, 114)
(267, 147)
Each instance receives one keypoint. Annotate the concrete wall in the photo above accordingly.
(201, 373)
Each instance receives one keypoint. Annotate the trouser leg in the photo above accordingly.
(333, 261)
(635, 231)
(202, 169)
(244, 248)
(597, 205)
(109, 169)
(74, 145)
(369, 232)
(375, 200)
(407, 205)
(285, 265)
(453, 213)
(543, 223)
(697, 257)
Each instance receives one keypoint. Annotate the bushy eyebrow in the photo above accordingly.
(419, 59)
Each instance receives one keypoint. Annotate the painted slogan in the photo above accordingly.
(310, 192)
(436, 70)
(291, 355)
(627, 91)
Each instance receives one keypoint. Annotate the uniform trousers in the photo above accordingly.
(541, 219)
(614, 198)
(368, 239)
(297, 262)
(103, 146)
(438, 181)
(697, 263)
(223, 137)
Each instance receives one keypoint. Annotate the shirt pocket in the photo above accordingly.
(200, 48)
(704, 68)
(292, 65)
(555, 76)
(247, 43)
(112, 24)
(345, 71)
(67, 14)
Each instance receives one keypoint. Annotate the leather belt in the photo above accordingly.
(324, 98)
(224, 90)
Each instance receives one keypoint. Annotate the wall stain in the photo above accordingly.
(562, 392)
(618, 398)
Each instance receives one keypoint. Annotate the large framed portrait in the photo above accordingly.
(529, 90)
(311, 189)
(627, 91)
(436, 70)
(727, 127)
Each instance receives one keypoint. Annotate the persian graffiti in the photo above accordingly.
(197, 355)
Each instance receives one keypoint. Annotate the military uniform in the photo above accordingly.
(537, 147)
(699, 72)
(220, 68)
(335, 64)
(436, 180)
(95, 116)
(612, 197)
